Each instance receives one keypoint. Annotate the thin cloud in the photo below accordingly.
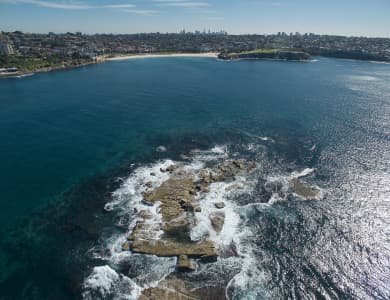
(182, 3)
(119, 6)
(187, 4)
(170, 1)
(268, 3)
(215, 18)
(141, 12)
(67, 5)
(47, 4)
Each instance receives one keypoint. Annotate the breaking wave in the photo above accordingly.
(232, 240)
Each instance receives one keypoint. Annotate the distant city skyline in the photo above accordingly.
(342, 17)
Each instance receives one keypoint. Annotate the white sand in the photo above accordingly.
(136, 56)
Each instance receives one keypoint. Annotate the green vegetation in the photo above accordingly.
(64, 46)
(277, 54)
(256, 51)
(31, 64)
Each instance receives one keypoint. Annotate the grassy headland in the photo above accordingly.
(276, 54)
(24, 65)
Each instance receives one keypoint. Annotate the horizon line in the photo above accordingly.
(194, 32)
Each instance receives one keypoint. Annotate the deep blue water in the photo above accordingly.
(67, 136)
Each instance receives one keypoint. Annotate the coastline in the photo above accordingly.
(267, 54)
(269, 59)
(21, 74)
(166, 124)
(138, 56)
(103, 59)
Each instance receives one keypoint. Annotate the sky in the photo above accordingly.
(341, 17)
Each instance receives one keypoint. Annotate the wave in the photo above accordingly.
(25, 75)
(231, 239)
(104, 282)
(303, 173)
(362, 78)
(380, 62)
(220, 192)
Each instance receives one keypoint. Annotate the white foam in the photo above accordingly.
(161, 149)
(247, 284)
(249, 275)
(252, 147)
(275, 198)
(303, 173)
(363, 78)
(105, 282)
(220, 192)
(319, 196)
(25, 75)
(285, 180)
(130, 192)
(195, 165)
(102, 280)
(117, 255)
(262, 138)
(125, 199)
(380, 62)
(216, 153)
(219, 149)
(150, 270)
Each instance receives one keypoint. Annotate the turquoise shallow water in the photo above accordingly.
(67, 136)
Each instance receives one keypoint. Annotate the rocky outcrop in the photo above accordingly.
(219, 205)
(217, 220)
(126, 246)
(169, 289)
(167, 234)
(233, 187)
(176, 198)
(304, 190)
(173, 195)
(169, 169)
(184, 264)
(169, 247)
(274, 54)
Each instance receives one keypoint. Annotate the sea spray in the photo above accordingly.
(232, 238)
(104, 283)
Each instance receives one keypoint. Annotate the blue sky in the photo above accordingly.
(344, 17)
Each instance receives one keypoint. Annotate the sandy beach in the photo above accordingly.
(137, 56)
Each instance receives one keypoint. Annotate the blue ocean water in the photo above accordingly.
(69, 137)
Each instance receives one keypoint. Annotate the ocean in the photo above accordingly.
(78, 145)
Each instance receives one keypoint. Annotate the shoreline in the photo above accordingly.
(215, 55)
(269, 59)
(21, 74)
(138, 56)
(103, 59)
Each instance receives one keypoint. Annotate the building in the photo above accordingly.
(6, 49)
